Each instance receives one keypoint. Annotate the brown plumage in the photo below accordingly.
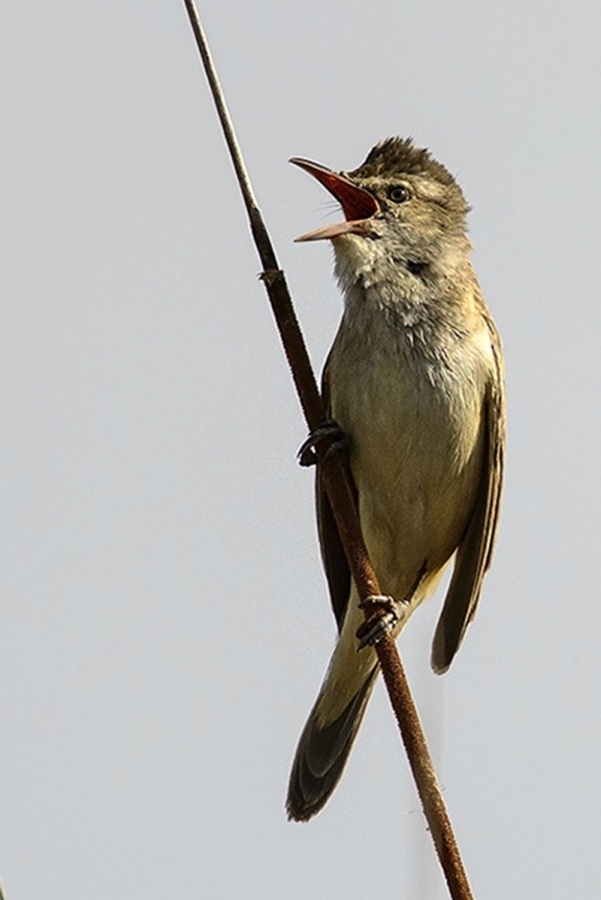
(415, 380)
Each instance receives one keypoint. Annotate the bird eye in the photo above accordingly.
(399, 193)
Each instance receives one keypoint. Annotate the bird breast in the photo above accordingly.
(411, 402)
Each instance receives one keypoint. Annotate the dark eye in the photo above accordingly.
(399, 193)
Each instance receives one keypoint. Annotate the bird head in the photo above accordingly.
(400, 198)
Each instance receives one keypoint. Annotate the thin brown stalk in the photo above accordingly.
(341, 498)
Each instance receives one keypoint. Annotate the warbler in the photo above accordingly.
(415, 382)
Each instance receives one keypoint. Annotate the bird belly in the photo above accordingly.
(416, 442)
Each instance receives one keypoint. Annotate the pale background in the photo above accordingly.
(164, 623)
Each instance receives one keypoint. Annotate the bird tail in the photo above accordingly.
(324, 747)
(331, 729)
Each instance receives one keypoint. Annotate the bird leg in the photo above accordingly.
(330, 434)
(377, 625)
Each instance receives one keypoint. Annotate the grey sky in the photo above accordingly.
(164, 624)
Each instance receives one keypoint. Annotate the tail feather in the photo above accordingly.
(322, 753)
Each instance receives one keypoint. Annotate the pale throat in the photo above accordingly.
(377, 278)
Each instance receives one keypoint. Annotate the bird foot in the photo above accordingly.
(380, 624)
(329, 433)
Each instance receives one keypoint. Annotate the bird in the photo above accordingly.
(413, 386)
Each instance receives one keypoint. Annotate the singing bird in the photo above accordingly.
(414, 380)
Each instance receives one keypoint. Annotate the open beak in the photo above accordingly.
(359, 206)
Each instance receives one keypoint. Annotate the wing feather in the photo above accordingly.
(474, 554)
(333, 556)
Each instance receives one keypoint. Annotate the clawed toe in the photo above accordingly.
(375, 627)
(329, 433)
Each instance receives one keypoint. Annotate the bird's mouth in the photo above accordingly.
(358, 205)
